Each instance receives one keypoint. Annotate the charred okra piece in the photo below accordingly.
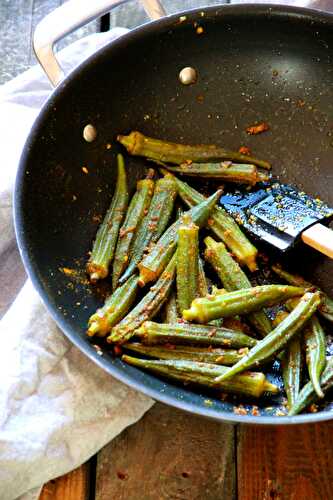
(153, 264)
(315, 343)
(233, 278)
(170, 312)
(107, 234)
(147, 308)
(248, 384)
(291, 360)
(151, 333)
(155, 222)
(326, 307)
(308, 395)
(223, 226)
(139, 145)
(240, 302)
(225, 357)
(135, 214)
(226, 171)
(279, 337)
(187, 263)
(115, 308)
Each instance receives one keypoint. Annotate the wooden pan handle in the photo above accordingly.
(319, 237)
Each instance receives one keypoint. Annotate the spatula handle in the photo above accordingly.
(319, 237)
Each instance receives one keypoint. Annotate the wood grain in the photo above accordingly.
(72, 486)
(292, 463)
(168, 454)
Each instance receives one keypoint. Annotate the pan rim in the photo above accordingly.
(30, 266)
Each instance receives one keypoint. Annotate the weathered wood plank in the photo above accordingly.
(293, 463)
(72, 486)
(168, 454)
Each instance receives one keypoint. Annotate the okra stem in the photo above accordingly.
(107, 234)
(115, 308)
(139, 145)
(248, 384)
(187, 263)
(233, 278)
(147, 308)
(279, 337)
(242, 301)
(223, 226)
(153, 264)
(151, 333)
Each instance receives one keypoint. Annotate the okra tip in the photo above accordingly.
(93, 328)
(271, 388)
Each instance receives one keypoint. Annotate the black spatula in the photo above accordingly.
(280, 215)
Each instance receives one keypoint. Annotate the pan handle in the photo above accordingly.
(69, 17)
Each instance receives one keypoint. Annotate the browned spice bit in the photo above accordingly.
(85, 170)
(117, 350)
(200, 30)
(275, 72)
(108, 146)
(257, 129)
(245, 150)
(97, 219)
(240, 410)
(212, 333)
(300, 103)
(122, 475)
(200, 98)
(123, 232)
(255, 411)
(313, 408)
(280, 413)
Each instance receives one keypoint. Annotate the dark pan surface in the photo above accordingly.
(254, 63)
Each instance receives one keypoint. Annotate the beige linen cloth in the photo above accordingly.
(57, 408)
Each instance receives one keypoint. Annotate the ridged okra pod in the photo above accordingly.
(308, 395)
(223, 226)
(225, 357)
(115, 308)
(225, 171)
(240, 302)
(134, 217)
(147, 308)
(151, 333)
(155, 222)
(138, 144)
(107, 234)
(291, 361)
(279, 337)
(248, 384)
(326, 307)
(233, 278)
(187, 276)
(153, 264)
(315, 343)
(170, 312)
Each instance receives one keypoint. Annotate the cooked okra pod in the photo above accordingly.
(115, 308)
(139, 145)
(223, 226)
(151, 333)
(153, 264)
(170, 312)
(225, 357)
(308, 394)
(135, 214)
(147, 308)
(326, 307)
(233, 278)
(247, 384)
(279, 337)
(241, 302)
(155, 222)
(226, 171)
(315, 343)
(107, 234)
(187, 263)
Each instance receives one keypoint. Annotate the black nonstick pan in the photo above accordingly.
(254, 63)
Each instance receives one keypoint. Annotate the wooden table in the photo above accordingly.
(170, 454)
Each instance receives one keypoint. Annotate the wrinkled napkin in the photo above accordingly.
(57, 408)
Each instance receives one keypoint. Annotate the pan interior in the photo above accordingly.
(253, 64)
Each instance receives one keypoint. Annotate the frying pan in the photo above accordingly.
(255, 62)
